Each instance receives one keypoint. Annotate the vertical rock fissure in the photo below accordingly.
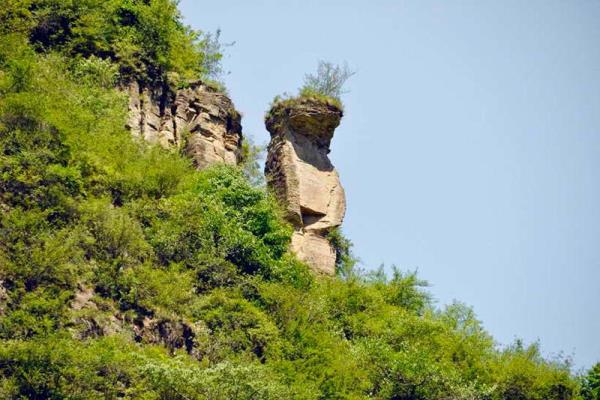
(142, 104)
(176, 135)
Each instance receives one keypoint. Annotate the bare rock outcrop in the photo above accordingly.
(91, 318)
(3, 298)
(299, 171)
(172, 333)
(198, 118)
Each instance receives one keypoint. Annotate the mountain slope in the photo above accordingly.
(127, 273)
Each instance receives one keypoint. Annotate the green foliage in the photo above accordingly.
(403, 289)
(251, 155)
(345, 262)
(591, 384)
(236, 327)
(326, 86)
(286, 101)
(58, 367)
(309, 93)
(146, 39)
(96, 71)
(113, 251)
(522, 373)
(328, 81)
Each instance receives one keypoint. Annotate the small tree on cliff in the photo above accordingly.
(328, 81)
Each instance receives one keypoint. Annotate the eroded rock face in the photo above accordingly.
(302, 176)
(3, 298)
(91, 320)
(201, 120)
(173, 334)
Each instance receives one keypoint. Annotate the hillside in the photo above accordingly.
(127, 272)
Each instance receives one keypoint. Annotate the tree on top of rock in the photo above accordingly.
(329, 80)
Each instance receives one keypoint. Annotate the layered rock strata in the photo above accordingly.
(198, 118)
(300, 173)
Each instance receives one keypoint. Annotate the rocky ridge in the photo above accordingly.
(198, 118)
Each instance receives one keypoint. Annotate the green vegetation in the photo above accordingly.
(591, 384)
(328, 81)
(325, 86)
(125, 273)
(145, 39)
(286, 101)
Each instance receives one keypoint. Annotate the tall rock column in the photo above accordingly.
(303, 178)
(198, 118)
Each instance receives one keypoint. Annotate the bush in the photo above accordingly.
(345, 262)
(591, 384)
(58, 367)
(237, 328)
(146, 39)
(328, 81)
(326, 86)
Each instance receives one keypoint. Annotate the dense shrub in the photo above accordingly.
(146, 39)
(591, 384)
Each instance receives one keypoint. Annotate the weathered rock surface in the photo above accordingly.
(200, 119)
(91, 319)
(173, 334)
(302, 176)
(3, 297)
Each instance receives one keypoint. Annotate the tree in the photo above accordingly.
(328, 81)
(591, 384)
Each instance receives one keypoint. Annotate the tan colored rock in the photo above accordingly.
(83, 299)
(299, 171)
(92, 319)
(3, 298)
(199, 119)
(174, 334)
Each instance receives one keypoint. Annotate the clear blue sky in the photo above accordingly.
(470, 148)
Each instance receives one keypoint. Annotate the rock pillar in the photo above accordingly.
(300, 173)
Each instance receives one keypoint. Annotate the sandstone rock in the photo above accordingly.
(3, 298)
(83, 299)
(89, 320)
(302, 176)
(173, 334)
(198, 119)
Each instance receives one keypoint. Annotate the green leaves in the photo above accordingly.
(236, 327)
(591, 384)
(146, 39)
(328, 81)
(95, 71)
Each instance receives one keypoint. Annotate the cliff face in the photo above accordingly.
(198, 118)
(302, 176)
